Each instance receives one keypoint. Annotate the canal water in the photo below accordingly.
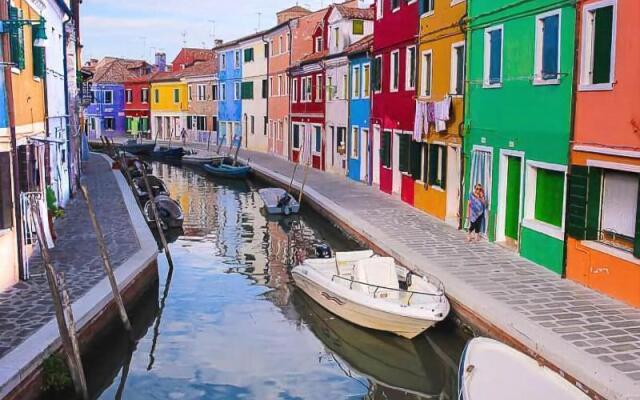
(227, 322)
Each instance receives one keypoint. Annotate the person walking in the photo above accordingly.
(475, 212)
(183, 133)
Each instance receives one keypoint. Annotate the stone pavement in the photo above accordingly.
(590, 336)
(27, 306)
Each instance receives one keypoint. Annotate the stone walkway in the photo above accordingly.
(27, 306)
(590, 336)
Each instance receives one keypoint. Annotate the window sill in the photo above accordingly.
(544, 228)
(428, 14)
(589, 87)
(395, 10)
(438, 188)
(487, 85)
(543, 82)
(610, 250)
(15, 70)
(387, 168)
(37, 79)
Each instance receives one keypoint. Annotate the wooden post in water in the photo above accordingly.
(106, 263)
(163, 240)
(71, 351)
(235, 157)
(293, 175)
(304, 181)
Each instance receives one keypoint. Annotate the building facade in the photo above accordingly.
(230, 81)
(436, 153)
(521, 54)
(254, 91)
(169, 105)
(393, 104)
(137, 107)
(359, 142)
(603, 250)
(203, 93)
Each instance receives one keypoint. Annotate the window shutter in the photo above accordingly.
(594, 195)
(433, 164)
(550, 35)
(602, 44)
(405, 144)
(443, 161)
(247, 90)
(577, 202)
(16, 37)
(416, 158)
(495, 57)
(39, 64)
(6, 204)
(264, 88)
(384, 149)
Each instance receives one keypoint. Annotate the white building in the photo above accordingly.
(254, 92)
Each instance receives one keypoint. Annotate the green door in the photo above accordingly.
(512, 213)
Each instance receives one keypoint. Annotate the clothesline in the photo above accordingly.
(430, 112)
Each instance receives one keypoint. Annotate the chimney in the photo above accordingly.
(161, 62)
(217, 42)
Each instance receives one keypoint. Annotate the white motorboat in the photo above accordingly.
(279, 201)
(201, 159)
(366, 290)
(490, 370)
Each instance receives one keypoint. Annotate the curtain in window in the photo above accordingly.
(550, 35)
(481, 173)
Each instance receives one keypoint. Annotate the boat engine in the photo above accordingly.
(323, 250)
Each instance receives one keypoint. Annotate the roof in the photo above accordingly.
(355, 13)
(191, 55)
(360, 46)
(200, 69)
(116, 70)
(294, 9)
(309, 58)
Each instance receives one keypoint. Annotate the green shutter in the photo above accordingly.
(594, 198)
(405, 145)
(248, 55)
(16, 38)
(377, 74)
(416, 160)
(636, 240)
(602, 43)
(385, 150)
(247, 91)
(264, 89)
(443, 163)
(549, 196)
(433, 164)
(128, 124)
(577, 202)
(39, 63)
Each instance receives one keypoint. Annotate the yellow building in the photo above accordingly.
(169, 105)
(440, 89)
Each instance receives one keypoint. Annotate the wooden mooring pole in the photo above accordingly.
(304, 181)
(163, 240)
(63, 312)
(106, 263)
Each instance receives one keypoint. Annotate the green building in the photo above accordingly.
(518, 120)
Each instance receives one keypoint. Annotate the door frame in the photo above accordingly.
(375, 166)
(364, 154)
(502, 192)
(396, 175)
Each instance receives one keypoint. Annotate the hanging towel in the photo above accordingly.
(442, 114)
(431, 112)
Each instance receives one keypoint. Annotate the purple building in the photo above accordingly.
(105, 114)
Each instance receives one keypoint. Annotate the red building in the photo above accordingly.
(308, 102)
(137, 108)
(393, 104)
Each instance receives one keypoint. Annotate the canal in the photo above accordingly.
(227, 323)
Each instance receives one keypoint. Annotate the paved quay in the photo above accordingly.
(27, 320)
(590, 336)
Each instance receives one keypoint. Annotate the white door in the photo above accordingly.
(376, 155)
(364, 154)
(395, 162)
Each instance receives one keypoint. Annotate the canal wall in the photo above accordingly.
(94, 310)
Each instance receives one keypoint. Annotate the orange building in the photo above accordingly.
(603, 216)
(440, 80)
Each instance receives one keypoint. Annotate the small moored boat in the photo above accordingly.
(227, 171)
(157, 185)
(169, 211)
(366, 290)
(279, 201)
(132, 146)
(490, 370)
(199, 159)
(169, 152)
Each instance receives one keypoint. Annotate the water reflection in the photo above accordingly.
(230, 324)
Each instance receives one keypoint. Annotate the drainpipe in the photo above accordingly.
(267, 112)
(6, 49)
(289, 130)
(461, 132)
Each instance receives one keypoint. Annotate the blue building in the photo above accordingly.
(230, 83)
(105, 115)
(360, 137)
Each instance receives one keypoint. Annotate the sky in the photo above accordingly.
(139, 28)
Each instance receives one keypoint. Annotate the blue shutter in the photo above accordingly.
(550, 31)
(495, 60)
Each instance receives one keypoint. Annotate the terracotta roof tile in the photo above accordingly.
(355, 13)
(294, 9)
(309, 58)
(360, 46)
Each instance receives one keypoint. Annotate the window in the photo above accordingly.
(287, 42)
(598, 45)
(336, 37)
(190, 93)
(176, 96)
(547, 48)
(493, 57)
(341, 136)
(38, 55)
(223, 61)
(306, 89)
(549, 196)
(404, 152)
(247, 90)
(6, 191)
(377, 74)
(395, 5)
(264, 126)
(264, 89)
(281, 44)
(201, 123)
(385, 149)
(109, 123)
(214, 92)
(619, 208)
(318, 47)
(317, 139)
(426, 7)
(457, 69)
(330, 88)
(296, 136)
(236, 59)
(434, 165)
(129, 96)
(248, 55)
(286, 85)
(272, 88)
(108, 97)
(294, 95)
(189, 122)
(236, 91)
(355, 145)
(144, 95)
(223, 91)
(366, 80)
(410, 73)
(253, 125)
(427, 73)
(202, 92)
(156, 95)
(280, 86)
(214, 124)
(356, 81)
(358, 27)
(345, 86)
(318, 87)
(16, 39)
(266, 50)
(394, 82)
(379, 8)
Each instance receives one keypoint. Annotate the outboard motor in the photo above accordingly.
(323, 250)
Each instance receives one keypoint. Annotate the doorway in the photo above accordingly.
(395, 162)
(364, 155)
(508, 230)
